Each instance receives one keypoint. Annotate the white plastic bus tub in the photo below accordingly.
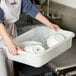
(40, 34)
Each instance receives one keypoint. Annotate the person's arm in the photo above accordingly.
(45, 21)
(11, 46)
(4, 34)
(30, 9)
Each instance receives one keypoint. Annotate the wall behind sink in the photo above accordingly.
(70, 3)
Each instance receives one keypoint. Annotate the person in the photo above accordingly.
(10, 11)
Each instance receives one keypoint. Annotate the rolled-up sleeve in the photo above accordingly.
(1, 16)
(28, 8)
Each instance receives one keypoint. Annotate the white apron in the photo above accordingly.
(11, 12)
(11, 15)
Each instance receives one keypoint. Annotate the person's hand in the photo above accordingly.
(13, 49)
(54, 27)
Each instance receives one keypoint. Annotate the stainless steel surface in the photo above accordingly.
(48, 7)
(68, 16)
(53, 14)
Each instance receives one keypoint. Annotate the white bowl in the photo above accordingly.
(54, 39)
